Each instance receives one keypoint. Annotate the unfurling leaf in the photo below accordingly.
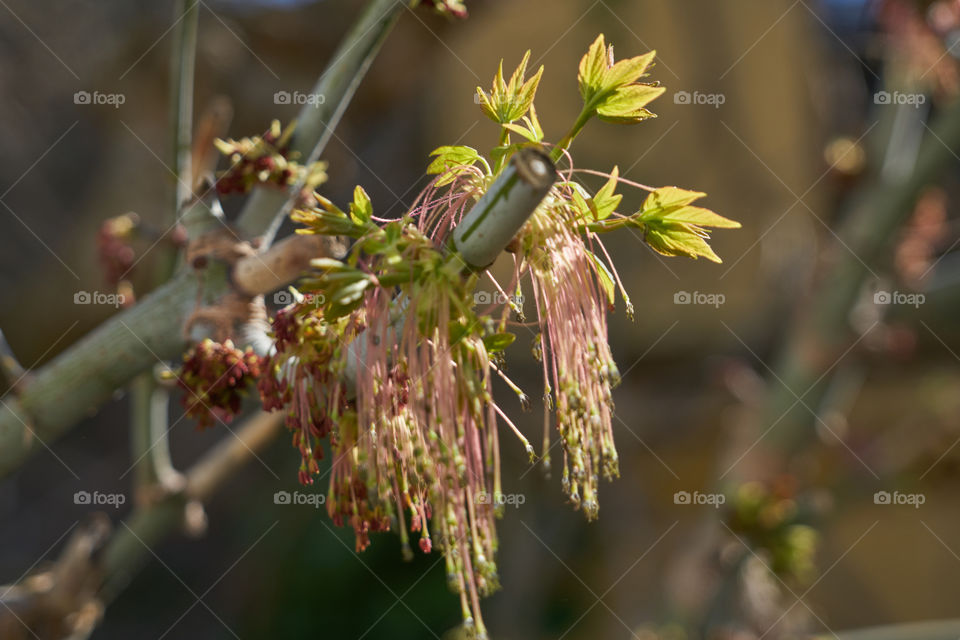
(606, 201)
(671, 225)
(671, 204)
(510, 101)
(593, 67)
(678, 239)
(451, 161)
(361, 209)
(626, 104)
(612, 90)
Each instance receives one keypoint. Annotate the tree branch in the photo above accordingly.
(265, 210)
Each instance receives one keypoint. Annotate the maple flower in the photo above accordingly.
(215, 376)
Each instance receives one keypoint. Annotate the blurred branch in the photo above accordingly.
(821, 334)
(183, 63)
(67, 600)
(10, 368)
(131, 546)
(59, 602)
(86, 375)
(282, 263)
(265, 210)
(154, 474)
(928, 630)
(150, 447)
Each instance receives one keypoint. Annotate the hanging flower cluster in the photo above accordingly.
(305, 375)
(266, 160)
(215, 377)
(396, 366)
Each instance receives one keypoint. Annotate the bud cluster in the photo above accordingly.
(215, 377)
(266, 160)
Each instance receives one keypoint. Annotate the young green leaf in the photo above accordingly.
(672, 204)
(604, 278)
(678, 239)
(626, 104)
(510, 101)
(670, 224)
(451, 161)
(361, 209)
(593, 67)
(606, 201)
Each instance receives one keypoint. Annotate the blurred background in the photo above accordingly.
(824, 368)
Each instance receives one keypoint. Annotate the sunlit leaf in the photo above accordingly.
(626, 104)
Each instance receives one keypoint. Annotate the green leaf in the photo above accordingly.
(605, 201)
(625, 104)
(532, 131)
(498, 341)
(670, 224)
(523, 131)
(592, 70)
(678, 239)
(361, 209)
(604, 277)
(509, 101)
(451, 156)
(452, 161)
(628, 70)
(582, 206)
(672, 204)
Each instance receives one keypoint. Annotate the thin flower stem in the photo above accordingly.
(619, 179)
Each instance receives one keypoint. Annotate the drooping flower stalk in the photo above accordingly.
(576, 356)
